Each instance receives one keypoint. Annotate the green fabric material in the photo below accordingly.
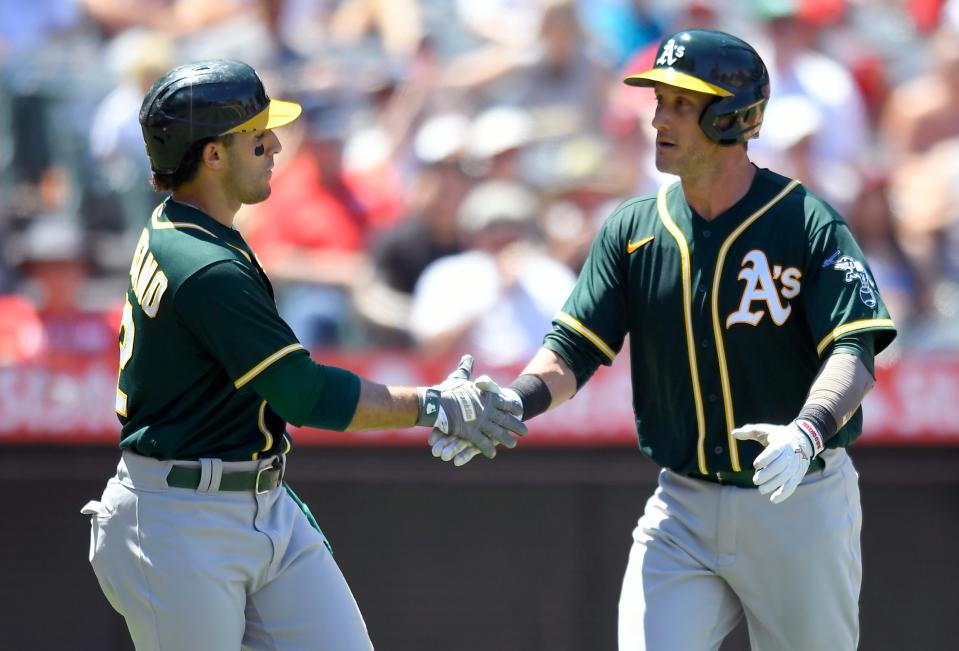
(791, 280)
(303, 392)
(582, 360)
(182, 477)
(338, 399)
(210, 323)
(309, 516)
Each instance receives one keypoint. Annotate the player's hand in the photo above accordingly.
(499, 404)
(456, 408)
(784, 462)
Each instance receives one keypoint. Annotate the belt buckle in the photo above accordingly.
(276, 465)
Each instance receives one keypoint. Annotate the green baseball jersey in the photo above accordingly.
(199, 325)
(729, 319)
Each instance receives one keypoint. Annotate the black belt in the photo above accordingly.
(261, 481)
(744, 479)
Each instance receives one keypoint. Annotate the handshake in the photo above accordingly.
(469, 417)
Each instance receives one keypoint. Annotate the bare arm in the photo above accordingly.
(384, 407)
(552, 370)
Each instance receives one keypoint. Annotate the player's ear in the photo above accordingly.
(212, 155)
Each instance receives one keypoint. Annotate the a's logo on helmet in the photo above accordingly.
(671, 53)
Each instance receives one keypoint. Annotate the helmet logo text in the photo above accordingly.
(671, 53)
(761, 285)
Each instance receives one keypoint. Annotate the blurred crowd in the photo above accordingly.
(449, 145)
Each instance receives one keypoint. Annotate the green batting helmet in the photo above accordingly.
(203, 100)
(717, 64)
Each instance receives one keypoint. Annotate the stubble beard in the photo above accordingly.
(689, 162)
(251, 188)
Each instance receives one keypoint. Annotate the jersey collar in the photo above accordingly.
(176, 211)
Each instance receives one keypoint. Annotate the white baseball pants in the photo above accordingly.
(217, 570)
(703, 555)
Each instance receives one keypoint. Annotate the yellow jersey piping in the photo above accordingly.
(158, 225)
(261, 423)
(853, 326)
(262, 366)
(587, 333)
(677, 234)
(717, 329)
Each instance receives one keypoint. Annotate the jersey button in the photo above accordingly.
(718, 449)
(706, 233)
(713, 397)
(704, 343)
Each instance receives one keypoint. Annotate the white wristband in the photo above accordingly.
(813, 434)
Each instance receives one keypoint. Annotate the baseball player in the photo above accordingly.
(753, 323)
(197, 541)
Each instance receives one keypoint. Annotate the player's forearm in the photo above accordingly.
(384, 407)
(544, 384)
(836, 393)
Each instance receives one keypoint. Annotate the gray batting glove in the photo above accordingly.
(784, 462)
(502, 406)
(455, 408)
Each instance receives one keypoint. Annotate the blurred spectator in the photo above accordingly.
(21, 332)
(562, 80)
(840, 143)
(787, 133)
(922, 111)
(517, 91)
(176, 17)
(622, 26)
(496, 299)
(311, 234)
(925, 195)
(397, 23)
(581, 183)
(495, 141)
(137, 58)
(876, 230)
(52, 260)
(26, 26)
(511, 23)
(428, 233)
(203, 29)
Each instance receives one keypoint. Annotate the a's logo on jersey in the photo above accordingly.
(855, 272)
(766, 285)
(671, 53)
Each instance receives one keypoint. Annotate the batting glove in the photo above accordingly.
(503, 407)
(455, 408)
(784, 462)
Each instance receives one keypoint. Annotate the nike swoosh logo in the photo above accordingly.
(632, 246)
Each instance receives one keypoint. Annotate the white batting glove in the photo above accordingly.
(784, 462)
(498, 404)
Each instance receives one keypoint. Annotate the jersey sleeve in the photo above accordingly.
(840, 295)
(591, 327)
(228, 309)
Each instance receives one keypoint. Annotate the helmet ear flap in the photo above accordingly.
(727, 125)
